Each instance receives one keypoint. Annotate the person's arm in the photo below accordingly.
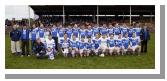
(10, 34)
(148, 34)
(141, 34)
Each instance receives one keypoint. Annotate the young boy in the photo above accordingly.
(50, 47)
(33, 37)
(103, 45)
(65, 46)
(89, 45)
(118, 43)
(74, 46)
(96, 42)
(125, 42)
(111, 44)
(135, 44)
(82, 47)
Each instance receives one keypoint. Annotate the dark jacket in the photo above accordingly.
(145, 35)
(25, 36)
(40, 47)
(15, 35)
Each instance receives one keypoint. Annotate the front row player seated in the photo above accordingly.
(74, 46)
(45, 48)
(111, 44)
(65, 46)
(50, 47)
(134, 44)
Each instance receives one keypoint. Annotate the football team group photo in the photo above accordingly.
(80, 37)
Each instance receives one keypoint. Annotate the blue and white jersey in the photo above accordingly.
(95, 31)
(104, 31)
(82, 33)
(137, 30)
(89, 45)
(54, 31)
(96, 43)
(130, 32)
(124, 31)
(89, 33)
(61, 33)
(118, 43)
(50, 43)
(76, 32)
(41, 32)
(125, 42)
(69, 33)
(134, 41)
(74, 43)
(117, 31)
(65, 44)
(110, 31)
(111, 42)
(103, 41)
(82, 45)
(34, 33)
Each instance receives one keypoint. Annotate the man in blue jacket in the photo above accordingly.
(25, 41)
(145, 37)
(15, 35)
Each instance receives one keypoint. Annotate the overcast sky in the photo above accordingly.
(18, 12)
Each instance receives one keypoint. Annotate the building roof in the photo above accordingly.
(92, 9)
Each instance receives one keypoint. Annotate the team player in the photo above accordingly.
(82, 47)
(65, 46)
(54, 31)
(124, 30)
(96, 46)
(116, 31)
(111, 44)
(104, 30)
(138, 30)
(69, 32)
(76, 31)
(118, 46)
(61, 32)
(50, 47)
(95, 30)
(135, 47)
(82, 32)
(125, 44)
(33, 37)
(89, 32)
(110, 30)
(74, 46)
(103, 44)
(89, 46)
(41, 31)
(130, 31)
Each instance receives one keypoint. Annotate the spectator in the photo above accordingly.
(15, 35)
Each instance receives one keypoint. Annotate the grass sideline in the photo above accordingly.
(145, 61)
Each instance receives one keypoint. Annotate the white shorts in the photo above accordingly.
(111, 49)
(103, 47)
(81, 51)
(96, 50)
(66, 50)
(74, 50)
(134, 47)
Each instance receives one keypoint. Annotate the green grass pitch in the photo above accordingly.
(144, 61)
